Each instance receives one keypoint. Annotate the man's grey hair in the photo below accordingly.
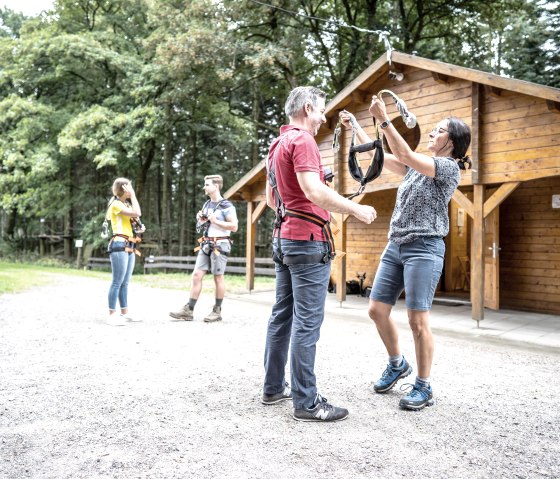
(299, 96)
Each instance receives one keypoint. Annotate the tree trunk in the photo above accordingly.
(166, 190)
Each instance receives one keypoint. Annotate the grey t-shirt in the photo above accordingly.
(421, 207)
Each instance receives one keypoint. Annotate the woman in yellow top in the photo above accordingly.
(122, 207)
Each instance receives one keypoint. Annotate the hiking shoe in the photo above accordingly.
(283, 395)
(186, 313)
(115, 320)
(417, 398)
(391, 375)
(215, 315)
(321, 412)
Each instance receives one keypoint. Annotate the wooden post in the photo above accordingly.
(477, 255)
(79, 246)
(476, 106)
(253, 215)
(250, 247)
(340, 238)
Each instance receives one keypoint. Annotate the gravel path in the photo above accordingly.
(169, 399)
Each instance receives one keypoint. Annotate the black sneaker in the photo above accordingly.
(321, 412)
(391, 375)
(277, 397)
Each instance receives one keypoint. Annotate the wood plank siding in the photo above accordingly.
(520, 138)
(428, 99)
(505, 201)
(530, 248)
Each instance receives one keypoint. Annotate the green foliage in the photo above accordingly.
(20, 276)
(166, 92)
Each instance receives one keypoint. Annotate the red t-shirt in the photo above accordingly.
(297, 152)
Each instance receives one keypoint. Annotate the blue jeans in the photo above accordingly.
(297, 315)
(122, 264)
(414, 267)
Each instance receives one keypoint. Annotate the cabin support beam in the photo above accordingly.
(254, 212)
(340, 226)
(477, 255)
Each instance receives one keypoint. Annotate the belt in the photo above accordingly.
(306, 258)
(215, 238)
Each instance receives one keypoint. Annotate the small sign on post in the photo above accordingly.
(79, 245)
(556, 201)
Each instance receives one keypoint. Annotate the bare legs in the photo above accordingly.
(419, 322)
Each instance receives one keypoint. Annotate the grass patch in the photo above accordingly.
(16, 277)
(235, 283)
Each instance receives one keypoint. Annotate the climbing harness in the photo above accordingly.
(207, 244)
(202, 223)
(376, 165)
(129, 245)
(282, 212)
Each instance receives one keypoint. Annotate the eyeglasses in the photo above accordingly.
(437, 131)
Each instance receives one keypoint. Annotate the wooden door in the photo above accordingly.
(492, 260)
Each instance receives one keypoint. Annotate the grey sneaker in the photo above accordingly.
(215, 315)
(186, 313)
(321, 412)
(391, 375)
(283, 395)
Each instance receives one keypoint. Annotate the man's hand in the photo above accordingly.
(365, 213)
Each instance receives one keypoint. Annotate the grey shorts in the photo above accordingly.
(214, 263)
(413, 267)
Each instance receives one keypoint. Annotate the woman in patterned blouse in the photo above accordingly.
(413, 258)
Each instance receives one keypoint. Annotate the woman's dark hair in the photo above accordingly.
(460, 135)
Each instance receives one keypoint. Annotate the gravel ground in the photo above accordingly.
(170, 399)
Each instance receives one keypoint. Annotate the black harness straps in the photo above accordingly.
(282, 212)
(376, 165)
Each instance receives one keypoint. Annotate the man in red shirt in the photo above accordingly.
(303, 250)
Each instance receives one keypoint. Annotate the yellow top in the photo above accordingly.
(120, 224)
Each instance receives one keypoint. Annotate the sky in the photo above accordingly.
(28, 7)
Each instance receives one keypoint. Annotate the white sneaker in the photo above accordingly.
(116, 320)
(130, 319)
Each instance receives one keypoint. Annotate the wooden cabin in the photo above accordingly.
(503, 247)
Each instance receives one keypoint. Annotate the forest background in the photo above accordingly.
(166, 92)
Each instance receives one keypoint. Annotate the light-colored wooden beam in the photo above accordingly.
(250, 247)
(258, 211)
(476, 106)
(477, 255)
(339, 264)
(499, 196)
(461, 199)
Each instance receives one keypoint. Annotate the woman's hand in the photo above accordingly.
(377, 109)
(127, 188)
(347, 118)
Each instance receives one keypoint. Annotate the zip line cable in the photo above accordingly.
(383, 35)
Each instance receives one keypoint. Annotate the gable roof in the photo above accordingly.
(382, 66)
(360, 87)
